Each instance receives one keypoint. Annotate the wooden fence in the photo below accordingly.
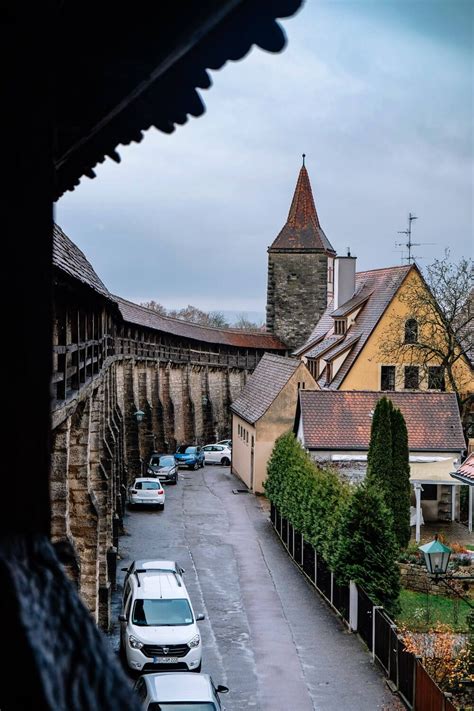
(355, 608)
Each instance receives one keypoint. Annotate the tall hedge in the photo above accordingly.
(367, 549)
(307, 495)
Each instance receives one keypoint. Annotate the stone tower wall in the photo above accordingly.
(296, 294)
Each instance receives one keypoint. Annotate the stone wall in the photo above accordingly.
(414, 577)
(296, 294)
(98, 449)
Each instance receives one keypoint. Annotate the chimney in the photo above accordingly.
(344, 279)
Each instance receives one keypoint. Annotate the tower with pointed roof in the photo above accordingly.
(300, 269)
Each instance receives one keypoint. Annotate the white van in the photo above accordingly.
(158, 624)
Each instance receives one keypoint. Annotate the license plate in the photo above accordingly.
(165, 660)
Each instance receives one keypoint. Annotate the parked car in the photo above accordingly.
(179, 692)
(164, 467)
(225, 442)
(158, 627)
(145, 490)
(217, 454)
(189, 456)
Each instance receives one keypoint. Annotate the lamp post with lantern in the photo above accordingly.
(437, 557)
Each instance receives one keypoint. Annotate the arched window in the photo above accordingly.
(411, 330)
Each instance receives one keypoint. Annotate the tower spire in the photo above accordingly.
(302, 229)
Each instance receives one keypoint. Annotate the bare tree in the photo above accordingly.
(154, 306)
(244, 324)
(437, 329)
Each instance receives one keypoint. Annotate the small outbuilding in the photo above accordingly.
(264, 410)
(334, 427)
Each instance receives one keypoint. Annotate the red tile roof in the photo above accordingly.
(466, 470)
(142, 316)
(341, 419)
(381, 285)
(302, 229)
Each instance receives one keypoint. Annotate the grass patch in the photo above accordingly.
(421, 611)
(470, 548)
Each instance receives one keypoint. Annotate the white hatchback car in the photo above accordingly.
(158, 629)
(217, 454)
(147, 491)
(179, 692)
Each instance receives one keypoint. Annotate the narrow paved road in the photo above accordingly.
(267, 633)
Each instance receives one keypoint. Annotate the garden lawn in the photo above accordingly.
(421, 611)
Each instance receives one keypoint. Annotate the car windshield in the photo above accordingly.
(147, 485)
(166, 613)
(182, 706)
(186, 450)
(167, 461)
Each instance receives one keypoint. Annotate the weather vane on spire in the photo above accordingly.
(304, 156)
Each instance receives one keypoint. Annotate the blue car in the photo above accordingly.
(189, 456)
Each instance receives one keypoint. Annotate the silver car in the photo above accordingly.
(179, 691)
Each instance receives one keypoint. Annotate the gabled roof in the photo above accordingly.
(323, 345)
(69, 259)
(465, 473)
(341, 347)
(302, 229)
(357, 300)
(341, 419)
(269, 377)
(147, 318)
(380, 285)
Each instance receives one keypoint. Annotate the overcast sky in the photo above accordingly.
(378, 94)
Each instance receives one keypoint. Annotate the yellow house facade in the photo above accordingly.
(349, 349)
(263, 411)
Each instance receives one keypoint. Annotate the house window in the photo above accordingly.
(340, 326)
(436, 378)
(411, 330)
(303, 385)
(429, 492)
(387, 377)
(253, 441)
(412, 379)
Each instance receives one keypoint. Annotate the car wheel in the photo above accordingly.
(161, 507)
(175, 481)
(198, 669)
(225, 461)
(195, 466)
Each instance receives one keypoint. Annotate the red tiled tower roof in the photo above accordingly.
(302, 229)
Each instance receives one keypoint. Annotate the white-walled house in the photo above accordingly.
(264, 410)
(465, 474)
(334, 426)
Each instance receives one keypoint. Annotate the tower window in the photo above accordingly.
(411, 330)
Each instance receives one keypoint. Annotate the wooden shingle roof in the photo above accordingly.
(266, 382)
(68, 258)
(341, 419)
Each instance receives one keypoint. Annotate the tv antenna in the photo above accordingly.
(409, 244)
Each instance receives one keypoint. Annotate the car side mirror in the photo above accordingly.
(222, 689)
(200, 617)
(122, 618)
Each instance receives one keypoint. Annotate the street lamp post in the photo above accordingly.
(437, 557)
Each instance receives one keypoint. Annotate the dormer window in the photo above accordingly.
(340, 326)
(411, 330)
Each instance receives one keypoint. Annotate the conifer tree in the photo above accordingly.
(367, 549)
(399, 492)
(379, 457)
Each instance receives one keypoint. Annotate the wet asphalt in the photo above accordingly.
(267, 635)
